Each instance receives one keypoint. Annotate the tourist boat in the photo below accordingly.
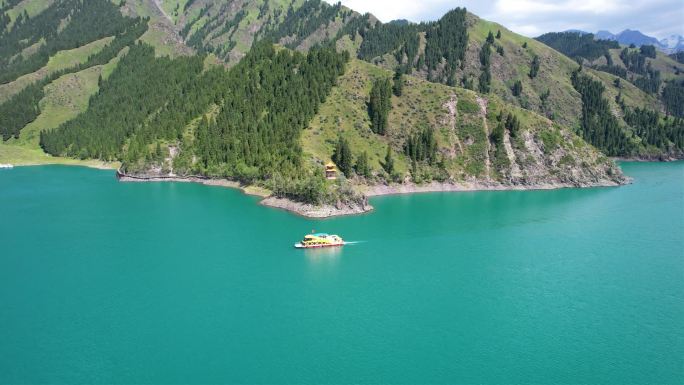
(319, 240)
(3, 165)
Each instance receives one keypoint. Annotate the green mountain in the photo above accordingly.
(462, 50)
(198, 88)
(439, 133)
(645, 67)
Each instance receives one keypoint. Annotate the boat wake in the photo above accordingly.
(353, 242)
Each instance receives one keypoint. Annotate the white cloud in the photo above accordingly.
(387, 10)
(517, 8)
(658, 18)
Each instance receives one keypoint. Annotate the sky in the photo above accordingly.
(658, 18)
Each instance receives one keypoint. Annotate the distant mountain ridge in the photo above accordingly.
(670, 44)
(674, 43)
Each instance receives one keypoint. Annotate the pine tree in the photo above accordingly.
(673, 98)
(534, 67)
(486, 76)
(490, 38)
(579, 45)
(389, 162)
(498, 34)
(343, 157)
(512, 124)
(398, 85)
(422, 146)
(497, 135)
(158, 155)
(598, 124)
(543, 98)
(362, 167)
(484, 81)
(517, 88)
(379, 105)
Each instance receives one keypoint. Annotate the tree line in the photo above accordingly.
(667, 134)
(139, 86)
(598, 126)
(264, 103)
(578, 45)
(87, 21)
(23, 107)
(485, 79)
(445, 39)
(421, 146)
(673, 98)
(304, 21)
(379, 105)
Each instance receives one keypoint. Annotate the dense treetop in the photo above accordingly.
(23, 107)
(264, 102)
(66, 24)
(578, 45)
(598, 125)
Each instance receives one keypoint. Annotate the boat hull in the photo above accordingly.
(301, 246)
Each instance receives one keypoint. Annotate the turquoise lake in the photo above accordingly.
(109, 282)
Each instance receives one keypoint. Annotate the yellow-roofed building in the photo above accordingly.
(330, 171)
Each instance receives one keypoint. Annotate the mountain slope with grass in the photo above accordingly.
(450, 136)
(463, 49)
(647, 68)
(264, 93)
(226, 29)
(53, 55)
(459, 49)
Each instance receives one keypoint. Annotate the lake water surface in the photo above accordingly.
(108, 282)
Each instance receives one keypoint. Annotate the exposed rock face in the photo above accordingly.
(320, 211)
(162, 32)
(568, 163)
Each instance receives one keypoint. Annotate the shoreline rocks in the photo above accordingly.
(411, 188)
(362, 206)
(320, 211)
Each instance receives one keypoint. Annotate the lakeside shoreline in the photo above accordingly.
(268, 200)
(412, 188)
(56, 161)
(340, 209)
(97, 166)
(344, 209)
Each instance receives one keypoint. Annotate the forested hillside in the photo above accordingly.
(66, 24)
(437, 133)
(459, 49)
(150, 113)
(653, 72)
(266, 91)
(227, 29)
(62, 26)
(578, 45)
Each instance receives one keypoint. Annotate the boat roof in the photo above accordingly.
(317, 235)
